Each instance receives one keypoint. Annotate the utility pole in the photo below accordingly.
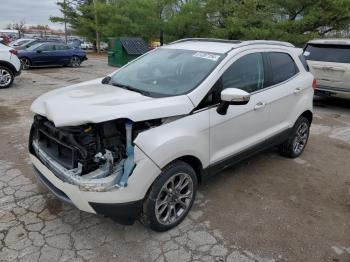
(65, 20)
(96, 25)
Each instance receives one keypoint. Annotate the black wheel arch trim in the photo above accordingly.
(11, 67)
(123, 213)
(308, 115)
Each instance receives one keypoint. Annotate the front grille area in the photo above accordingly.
(64, 154)
(73, 146)
(67, 146)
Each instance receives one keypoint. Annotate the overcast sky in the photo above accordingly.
(32, 11)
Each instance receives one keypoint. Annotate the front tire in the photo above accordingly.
(6, 77)
(296, 143)
(170, 197)
(75, 61)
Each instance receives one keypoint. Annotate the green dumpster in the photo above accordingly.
(122, 50)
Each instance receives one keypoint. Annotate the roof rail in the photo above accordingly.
(243, 43)
(207, 40)
(237, 42)
(262, 42)
(266, 42)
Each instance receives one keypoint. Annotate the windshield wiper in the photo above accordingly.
(146, 93)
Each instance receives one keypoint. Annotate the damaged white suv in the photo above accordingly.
(135, 144)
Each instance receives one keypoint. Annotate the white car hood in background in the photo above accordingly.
(93, 102)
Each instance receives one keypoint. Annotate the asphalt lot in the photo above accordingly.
(267, 208)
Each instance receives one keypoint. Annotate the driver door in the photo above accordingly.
(45, 55)
(243, 126)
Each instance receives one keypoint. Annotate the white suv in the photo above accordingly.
(329, 61)
(10, 66)
(137, 143)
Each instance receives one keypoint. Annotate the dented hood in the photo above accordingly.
(93, 102)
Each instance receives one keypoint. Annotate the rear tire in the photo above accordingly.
(75, 61)
(170, 197)
(26, 64)
(6, 77)
(294, 146)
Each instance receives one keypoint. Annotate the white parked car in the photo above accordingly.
(20, 42)
(103, 46)
(86, 45)
(137, 143)
(10, 66)
(329, 61)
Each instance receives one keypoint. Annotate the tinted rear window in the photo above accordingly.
(62, 47)
(303, 61)
(328, 53)
(283, 67)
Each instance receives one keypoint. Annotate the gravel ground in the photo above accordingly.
(267, 208)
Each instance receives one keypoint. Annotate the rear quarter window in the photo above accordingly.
(282, 67)
(303, 61)
(328, 53)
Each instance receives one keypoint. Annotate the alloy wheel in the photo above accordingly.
(5, 77)
(75, 61)
(300, 138)
(174, 199)
(25, 63)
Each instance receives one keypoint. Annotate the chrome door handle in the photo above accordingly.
(259, 105)
(297, 90)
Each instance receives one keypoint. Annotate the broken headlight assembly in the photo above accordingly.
(95, 157)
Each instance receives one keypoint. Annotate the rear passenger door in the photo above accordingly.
(62, 54)
(287, 86)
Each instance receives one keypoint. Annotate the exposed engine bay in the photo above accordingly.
(95, 157)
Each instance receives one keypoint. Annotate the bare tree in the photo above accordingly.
(20, 27)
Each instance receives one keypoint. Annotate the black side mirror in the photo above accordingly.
(232, 96)
(39, 51)
(106, 80)
(222, 108)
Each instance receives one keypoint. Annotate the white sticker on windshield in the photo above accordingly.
(207, 56)
(306, 53)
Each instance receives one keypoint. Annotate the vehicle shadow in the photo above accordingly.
(43, 67)
(50, 69)
(331, 102)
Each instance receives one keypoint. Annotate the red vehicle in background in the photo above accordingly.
(4, 39)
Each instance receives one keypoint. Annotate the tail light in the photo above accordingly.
(314, 84)
(13, 51)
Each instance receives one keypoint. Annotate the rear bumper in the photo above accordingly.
(331, 89)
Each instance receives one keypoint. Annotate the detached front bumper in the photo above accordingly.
(121, 204)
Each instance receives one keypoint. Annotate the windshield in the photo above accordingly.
(35, 46)
(167, 72)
